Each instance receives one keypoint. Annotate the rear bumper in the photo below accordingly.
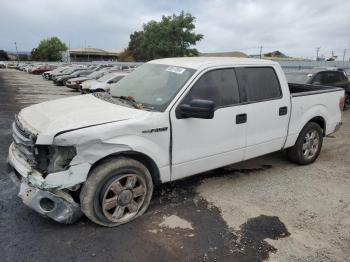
(337, 127)
(56, 205)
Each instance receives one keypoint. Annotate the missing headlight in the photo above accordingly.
(54, 158)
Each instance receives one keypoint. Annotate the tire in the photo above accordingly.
(347, 101)
(307, 148)
(116, 192)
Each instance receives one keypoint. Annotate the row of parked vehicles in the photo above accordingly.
(88, 79)
(84, 78)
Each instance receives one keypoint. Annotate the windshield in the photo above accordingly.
(298, 78)
(153, 85)
(69, 70)
(105, 78)
(96, 74)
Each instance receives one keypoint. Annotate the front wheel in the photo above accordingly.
(116, 192)
(308, 145)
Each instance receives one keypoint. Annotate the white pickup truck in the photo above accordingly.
(101, 154)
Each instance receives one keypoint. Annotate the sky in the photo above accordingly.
(295, 27)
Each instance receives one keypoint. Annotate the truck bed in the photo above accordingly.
(305, 90)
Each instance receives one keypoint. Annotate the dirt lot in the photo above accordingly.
(263, 209)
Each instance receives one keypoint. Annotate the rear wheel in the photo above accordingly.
(308, 145)
(116, 192)
(347, 101)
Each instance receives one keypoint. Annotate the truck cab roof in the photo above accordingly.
(204, 62)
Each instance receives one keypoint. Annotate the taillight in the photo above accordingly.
(342, 103)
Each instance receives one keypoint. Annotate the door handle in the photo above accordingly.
(241, 118)
(283, 110)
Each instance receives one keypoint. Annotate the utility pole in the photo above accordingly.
(317, 52)
(344, 54)
(89, 54)
(261, 51)
(68, 53)
(17, 52)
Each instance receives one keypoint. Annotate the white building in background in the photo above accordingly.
(91, 54)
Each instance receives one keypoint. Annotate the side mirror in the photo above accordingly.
(197, 109)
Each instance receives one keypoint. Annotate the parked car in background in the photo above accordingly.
(11, 65)
(48, 75)
(2, 65)
(75, 83)
(60, 81)
(102, 154)
(41, 69)
(85, 85)
(66, 72)
(104, 83)
(335, 77)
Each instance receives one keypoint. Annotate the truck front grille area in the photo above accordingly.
(24, 143)
(43, 158)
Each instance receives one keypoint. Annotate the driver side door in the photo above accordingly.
(203, 144)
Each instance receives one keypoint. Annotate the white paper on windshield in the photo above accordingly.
(175, 69)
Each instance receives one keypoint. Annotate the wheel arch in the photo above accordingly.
(320, 121)
(148, 162)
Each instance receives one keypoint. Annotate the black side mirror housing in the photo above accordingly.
(197, 108)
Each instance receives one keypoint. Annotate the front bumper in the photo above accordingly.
(57, 205)
(47, 195)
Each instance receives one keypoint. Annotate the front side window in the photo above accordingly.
(105, 78)
(258, 83)
(219, 86)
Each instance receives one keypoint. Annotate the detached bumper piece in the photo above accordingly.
(48, 204)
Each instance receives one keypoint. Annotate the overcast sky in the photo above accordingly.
(295, 27)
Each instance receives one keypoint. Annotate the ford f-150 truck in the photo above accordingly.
(101, 154)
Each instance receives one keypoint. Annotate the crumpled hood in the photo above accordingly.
(52, 117)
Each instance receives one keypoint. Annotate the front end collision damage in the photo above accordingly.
(70, 155)
(50, 195)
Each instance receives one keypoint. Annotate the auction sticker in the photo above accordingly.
(175, 69)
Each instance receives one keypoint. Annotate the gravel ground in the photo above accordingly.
(262, 209)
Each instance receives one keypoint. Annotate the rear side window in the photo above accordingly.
(258, 83)
(219, 86)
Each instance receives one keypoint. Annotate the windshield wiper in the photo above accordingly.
(130, 100)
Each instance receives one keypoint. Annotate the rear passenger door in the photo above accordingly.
(267, 110)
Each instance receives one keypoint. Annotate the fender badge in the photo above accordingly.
(155, 130)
